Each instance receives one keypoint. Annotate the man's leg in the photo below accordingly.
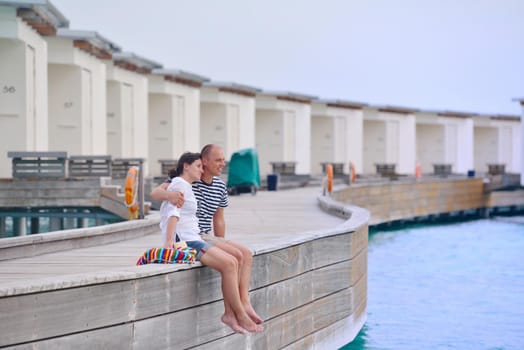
(227, 265)
(245, 260)
(229, 316)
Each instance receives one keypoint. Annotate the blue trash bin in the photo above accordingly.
(272, 181)
(471, 173)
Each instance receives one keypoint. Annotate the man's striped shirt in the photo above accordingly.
(210, 197)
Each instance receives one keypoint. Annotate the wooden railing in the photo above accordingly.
(89, 166)
(38, 164)
(283, 168)
(120, 166)
(338, 168)
(385, 169)
(53, 165)
(442, 169)
(496, 169)
(166, 165)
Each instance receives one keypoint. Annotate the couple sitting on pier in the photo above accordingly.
(193, 205)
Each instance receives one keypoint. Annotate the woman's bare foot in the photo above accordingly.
(252, 314)
(231, 321)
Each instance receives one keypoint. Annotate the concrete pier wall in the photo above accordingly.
(391, 200)
(311, 292)
(310, 287)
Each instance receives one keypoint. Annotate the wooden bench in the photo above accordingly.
(442, 169)
(386, 169)
(166, 165)
(496, 169)
(120, 166)
(89, 166)
(283, 168)
(338, 168)
(38, 164)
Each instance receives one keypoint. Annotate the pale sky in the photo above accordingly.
(459, 55)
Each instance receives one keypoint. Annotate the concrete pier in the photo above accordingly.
(308, 283)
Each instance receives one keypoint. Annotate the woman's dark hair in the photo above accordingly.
(186, 158)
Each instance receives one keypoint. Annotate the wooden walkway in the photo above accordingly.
(255, 221)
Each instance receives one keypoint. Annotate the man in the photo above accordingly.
(211, 194)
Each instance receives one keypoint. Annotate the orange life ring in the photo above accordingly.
(131, 191)
(329, 173)
(353, 172)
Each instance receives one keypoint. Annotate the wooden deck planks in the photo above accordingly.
(251, 220)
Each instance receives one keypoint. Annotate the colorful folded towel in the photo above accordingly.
(168, 256)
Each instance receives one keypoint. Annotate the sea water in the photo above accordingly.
(453, 286)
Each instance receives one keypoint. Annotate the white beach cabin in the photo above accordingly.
(23, 68)
(521, 101)
(444, 138)
(497, 142)
(77, 91)
(389, 136)
(174, 116)
(127, 105)
(227, 116)
(283, 130)
(336, 134)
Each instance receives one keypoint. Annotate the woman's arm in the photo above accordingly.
(170, 232)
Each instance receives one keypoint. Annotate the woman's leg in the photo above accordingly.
(227, 265)
(245, 260)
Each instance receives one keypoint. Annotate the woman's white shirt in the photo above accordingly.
(187, 225)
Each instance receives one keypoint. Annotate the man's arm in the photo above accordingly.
(219, 223)
(160, 193)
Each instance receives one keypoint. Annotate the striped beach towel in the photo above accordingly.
(167, 256)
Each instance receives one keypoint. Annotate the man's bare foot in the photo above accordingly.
(233, 324)
(248, 324)
(252, 314)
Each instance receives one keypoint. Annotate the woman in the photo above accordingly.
(182, 224)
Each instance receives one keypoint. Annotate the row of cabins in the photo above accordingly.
(75, 91)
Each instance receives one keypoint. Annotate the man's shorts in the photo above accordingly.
(200, 246)
(212, 239)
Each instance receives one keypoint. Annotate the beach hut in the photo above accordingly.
(389, 136)
(458, 140)
(444, 142)
(127, 105)
(174, 116)
(521, 168)
(336, 135)
(227, 116)
(497, 140)
(23, 68)
(283, 132)
(77, 91)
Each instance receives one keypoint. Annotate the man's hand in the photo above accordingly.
(160, 193)
(176, 198)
